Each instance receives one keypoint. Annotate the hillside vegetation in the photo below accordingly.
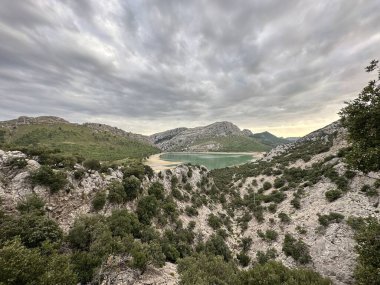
(75, 140)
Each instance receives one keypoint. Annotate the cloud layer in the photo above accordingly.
(146, 66)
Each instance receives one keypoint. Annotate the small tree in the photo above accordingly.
(361, 117)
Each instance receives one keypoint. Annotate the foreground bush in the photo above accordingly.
(45, 176)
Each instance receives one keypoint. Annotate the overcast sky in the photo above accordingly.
(145, 66)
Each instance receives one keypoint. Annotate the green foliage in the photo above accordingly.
(77, 140)
(99, 201)
(116, 193)
(296, 249)
(191, 211)
(264, 257)
(361, 117)
(214, 221)
(47, 177)
(31, 204)
(79, 174)
(157, 190)
(274, 273)
(93, 164)
(216, 245)
(243, 259)
(147, 208)
(123, 223)
(131, 187)
(17, 163)
(332, 195)
(284, 218)
(20, 265)
(267, 185)
(204, 269)
(279, 182)
(269, 235)
(368, 247)
(333, 217)
(32, 228)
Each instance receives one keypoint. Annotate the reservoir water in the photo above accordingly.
(211, 160)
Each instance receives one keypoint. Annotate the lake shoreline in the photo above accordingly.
(158, 164)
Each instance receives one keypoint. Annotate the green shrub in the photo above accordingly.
(99, 201)
(279, 182)
(272, 208)
(296, 203)
(79, 174)
(333, 217)
(264, 257)
(147, 208)
(31, 204)
(45, 176)
(17, 162)
(216, 245)
(20, 265)
(207, 269)
(116, 193)
(368, 249)
(243, 259)
(267, 185)
(332, 195)
(275, 273)
(123, 223)
(131, 186)
(157, 190)
(284, 218)
(269, 235)
(214, 222)
(92, 164)
(296, 249)
(191, 211)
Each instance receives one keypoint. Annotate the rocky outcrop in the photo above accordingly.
(181, 139)
(24, 120)
(118, 132)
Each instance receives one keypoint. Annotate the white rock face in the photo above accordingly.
(184, 138)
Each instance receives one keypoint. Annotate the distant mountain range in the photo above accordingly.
(219, 136)
(90, 138)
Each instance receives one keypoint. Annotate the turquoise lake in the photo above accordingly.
(210, 160)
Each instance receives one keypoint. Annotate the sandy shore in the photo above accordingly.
(157, 164)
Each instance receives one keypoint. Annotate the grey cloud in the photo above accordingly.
(256, 63)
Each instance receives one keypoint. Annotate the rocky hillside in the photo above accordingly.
(296, 206)
(219, 136)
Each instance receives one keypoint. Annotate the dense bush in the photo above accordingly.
(131, 186)
(116, 193)
(147, 208)
(99, 201)
(264, 257)
(45, 176)
(279, 182)
(333, 217)
(157, 190)
(274, 273)
(296, 249)
(214, 221)
(267, 185)
(368, 247)
(21, 265)
(332, 195)
(31, 204)
(284, 218)
(17, 162)
(92, 164)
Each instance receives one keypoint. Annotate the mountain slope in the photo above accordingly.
(269, 139)
(219, 136)
(95, 141)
